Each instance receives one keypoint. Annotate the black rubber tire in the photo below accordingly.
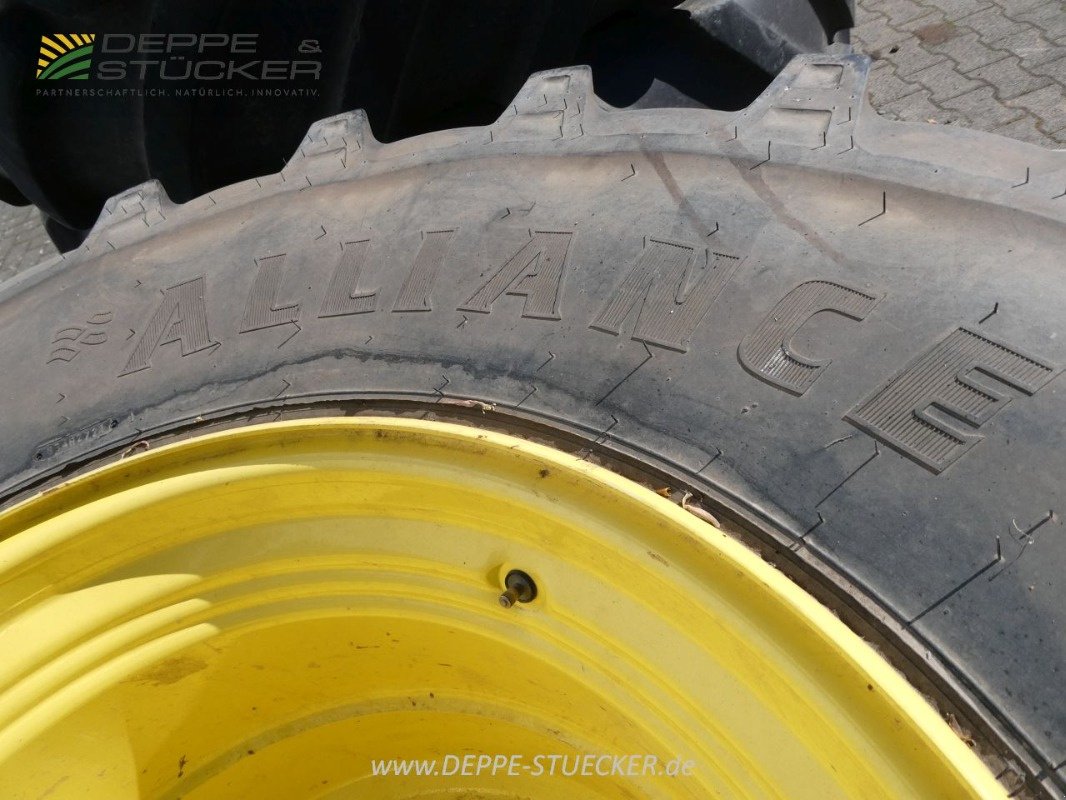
(649, 283)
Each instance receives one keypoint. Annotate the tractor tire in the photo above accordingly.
(843, 335)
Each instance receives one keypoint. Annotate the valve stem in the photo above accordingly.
(518, 588)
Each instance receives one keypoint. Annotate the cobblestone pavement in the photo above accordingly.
(995, 65)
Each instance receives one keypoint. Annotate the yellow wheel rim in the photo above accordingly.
(264, 612)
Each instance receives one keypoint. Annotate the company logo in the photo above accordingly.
(65, 55)
(176, 65)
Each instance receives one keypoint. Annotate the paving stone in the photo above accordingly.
(1050, 17)
(919, 107)
(931, 19)
(899, 11)
(1016, 7)
(944, 81)
(886, 86)
(930, 34)
(955, 9)
(23, 241)
(1031, 46)
(966, 50)
(909, 57)
(1009, 56)
(1047, 104)
(1055, 70)
(1024, 129)
(1009, 79)
(992, 24)
(877, 35)
(981, 104)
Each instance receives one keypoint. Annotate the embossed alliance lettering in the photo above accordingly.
(953, 378)
(766, 352)
(930, 412)
(667, 312)
(181, 317)
(534, 272)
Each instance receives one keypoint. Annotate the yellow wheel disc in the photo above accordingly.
(277, 611)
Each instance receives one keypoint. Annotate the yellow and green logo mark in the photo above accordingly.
(65, 55)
